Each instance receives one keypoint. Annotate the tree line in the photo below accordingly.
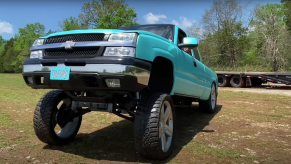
(227, 40)
(260, 42)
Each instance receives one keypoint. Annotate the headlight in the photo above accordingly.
(38, 42)
(130, 37)
(119, 51)
(36, 54)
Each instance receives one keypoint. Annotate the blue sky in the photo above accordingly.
(16, 14)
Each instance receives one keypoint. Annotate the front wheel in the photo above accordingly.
(209, 106)
(154, 126)
(53, 109)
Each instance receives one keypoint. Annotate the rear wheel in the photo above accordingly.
(223, 81)
(154, 126)
(237, 82)
(209, 106)
(52, 110)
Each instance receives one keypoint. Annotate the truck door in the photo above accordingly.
(199, 72)
(187, 82)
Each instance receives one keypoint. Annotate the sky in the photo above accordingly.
(15, 14)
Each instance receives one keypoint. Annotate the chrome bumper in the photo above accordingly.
(106, 69)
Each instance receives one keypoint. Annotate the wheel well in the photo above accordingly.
(161, 78)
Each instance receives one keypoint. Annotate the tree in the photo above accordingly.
(27, 35)
(197, 31)
(124, 17)
(93, 12)
(2, 44)
(271, 28)
(2, 41)
(287, 12)
(223, 25)
(9, 55)
(24, 40)
(71, 23)
(50, 32)
(221, 11)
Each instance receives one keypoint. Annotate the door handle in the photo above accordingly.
(195, 65)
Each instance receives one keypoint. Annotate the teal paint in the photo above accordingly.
(188, 80)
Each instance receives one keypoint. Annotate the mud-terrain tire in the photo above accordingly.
(149, 126)
(209, 106)
(44, 120)
(237, 82)
(223, 81)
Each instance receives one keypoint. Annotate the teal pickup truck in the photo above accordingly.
(139, 73)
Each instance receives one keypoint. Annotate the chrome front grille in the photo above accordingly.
(76, 52)
(75, 38)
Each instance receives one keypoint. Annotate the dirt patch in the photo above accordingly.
(277, 89)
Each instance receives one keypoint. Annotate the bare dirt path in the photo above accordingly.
(265, 89)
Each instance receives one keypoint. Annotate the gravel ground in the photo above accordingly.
(265, 89)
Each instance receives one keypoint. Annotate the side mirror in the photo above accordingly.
(188, 42)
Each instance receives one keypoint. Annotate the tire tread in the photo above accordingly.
(146, 127)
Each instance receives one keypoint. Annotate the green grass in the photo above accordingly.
(5, 120)
(14, 90)
(201, 149)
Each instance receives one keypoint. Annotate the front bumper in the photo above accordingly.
(89, 74)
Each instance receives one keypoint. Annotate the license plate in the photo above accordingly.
(60, 73)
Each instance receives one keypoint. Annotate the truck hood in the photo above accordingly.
(85, 31)
(104, 31)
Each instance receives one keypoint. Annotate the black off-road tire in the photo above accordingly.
(147, 123)
(206, 106)
(237, 82)
(44, 119)
(223, 81)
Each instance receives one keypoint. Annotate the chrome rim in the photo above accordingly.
(166, 126)
(213, 96)
(70, 127)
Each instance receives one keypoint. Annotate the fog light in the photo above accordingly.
(29, 79)
(119, 51)
(112, 83)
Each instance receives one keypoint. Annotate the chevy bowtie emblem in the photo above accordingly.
(68, 44)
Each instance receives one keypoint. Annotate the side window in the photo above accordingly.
(196, 53)
(181, 35)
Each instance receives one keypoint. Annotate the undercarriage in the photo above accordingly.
(121, 104)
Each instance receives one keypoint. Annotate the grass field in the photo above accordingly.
(248, 128)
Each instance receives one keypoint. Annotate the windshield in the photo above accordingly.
(165, 31)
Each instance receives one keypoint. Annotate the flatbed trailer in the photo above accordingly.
(251, 79)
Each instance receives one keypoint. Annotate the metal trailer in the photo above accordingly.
(251, 79)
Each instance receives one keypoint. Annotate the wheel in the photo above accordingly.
(209, 106)
(223, 81)
(154, 126)
(237, 82)
(47, 115)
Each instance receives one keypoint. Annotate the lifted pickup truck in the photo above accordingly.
(139, 73)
